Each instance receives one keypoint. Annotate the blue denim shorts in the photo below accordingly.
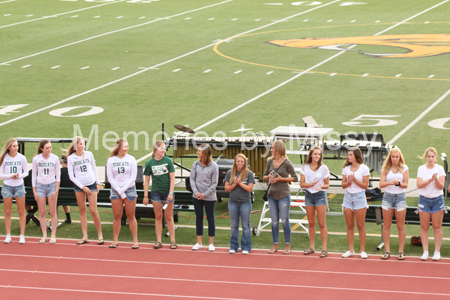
(316, 199)
(394, 201)
(355, 201)
(45, 190)
(158, 197)
(431, 205)
(13, 191)
(130, 193)
(92, 187)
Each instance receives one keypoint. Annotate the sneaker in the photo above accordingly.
(232, 251)
(211, 248)
(348, 254)
(68, 221)
(436, 256)
(197, 246)
(363, 255)
(424, 255)
(7, 239)
(245, 252)
(21, 239)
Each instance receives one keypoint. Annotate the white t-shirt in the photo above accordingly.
(82, 170)
(311, 176)
(359, 174)
(391, 176)
(122, 173)
(12, 166)
(45, 171)
(430, 191)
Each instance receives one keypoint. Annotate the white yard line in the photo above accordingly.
(7, 1)
(56, 15)
(115, 31)
(395, 138)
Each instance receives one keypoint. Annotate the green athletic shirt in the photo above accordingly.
(160, 171)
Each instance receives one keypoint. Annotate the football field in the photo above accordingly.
(110, 68)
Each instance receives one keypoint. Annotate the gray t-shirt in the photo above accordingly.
(238, 194)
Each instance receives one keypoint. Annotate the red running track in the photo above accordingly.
(68, 271)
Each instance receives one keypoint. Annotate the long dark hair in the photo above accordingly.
(358, 156)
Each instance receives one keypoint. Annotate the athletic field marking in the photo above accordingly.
(113, 69)
(365, 75)
(26, 66)
(61, 14)
(7, 1)
(395, 138)
(431, 76)
(176, 70)
(114, 31)
(74, 16)
(398, 75)
(238, 71)
(55, 67)
(120, 293)
(222, 282)
(87, 67)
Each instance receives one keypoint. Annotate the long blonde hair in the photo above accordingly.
(280, 148)
(6, 148)
(309, 157)
(244, 171)
(388, 163)
(156, 146)
(429, 149)
(115, 150)
(358, 157)
(73, 146)
(206, 158)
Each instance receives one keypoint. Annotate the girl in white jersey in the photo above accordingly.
(355, 179)
(122, 170)
(46, 176)
(13, 168)
(394, 177)
(83, 173)
(430, 181)
(315, 178)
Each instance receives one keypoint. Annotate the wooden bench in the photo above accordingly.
(375, 215)
(183, 202)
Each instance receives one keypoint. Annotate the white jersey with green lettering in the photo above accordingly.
(82, 169)
(45, 170)
(12, 166)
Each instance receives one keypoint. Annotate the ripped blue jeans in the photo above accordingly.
(279, 209)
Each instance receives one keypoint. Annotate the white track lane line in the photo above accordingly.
(224, 282)
(61, 14)
(261, 269)
(414, 122)
(116, 293)
(114, 31)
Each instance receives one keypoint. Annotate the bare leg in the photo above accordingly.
(321, 217)
(360, 222)
(130, 209)
(95, 216)
(117, 207)
(350, 220)
(387, 223)
(42, 201)
(81, 200)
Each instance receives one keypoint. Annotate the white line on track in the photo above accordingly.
(115, 31)
(120, 293)
(395, 138)
(226, 282)
(61, 14)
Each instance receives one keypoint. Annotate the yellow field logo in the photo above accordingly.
(417, 45)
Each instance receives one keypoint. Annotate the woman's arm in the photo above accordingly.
(214, 181)
(172, 186)
(404, 184)
(146, 184)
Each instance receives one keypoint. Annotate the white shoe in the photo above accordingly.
(363, 255)
(424, 255)
(348, 254)
(245, 252)
(7, 239)
(211, 248)
(22, 239)
(436, 256)
(232, 251)
(197, 246)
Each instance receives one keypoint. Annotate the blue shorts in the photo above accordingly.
(45, 190)
(431, 205)
(130, 193)
(316, 199)
(394, 201)
(158, 197)
(355, 201)
(92, 187)
(13, 191)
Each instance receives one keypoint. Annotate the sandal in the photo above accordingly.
(173, 245)
(385, 255)
(100, 242)
(82, 242)
(323, 253)
(308, 251)
(287, 249)
(52, 241)
(135, 246)
(157, 245)
(274, 249)
(401, 256)
(113, 245)
(43, 241)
